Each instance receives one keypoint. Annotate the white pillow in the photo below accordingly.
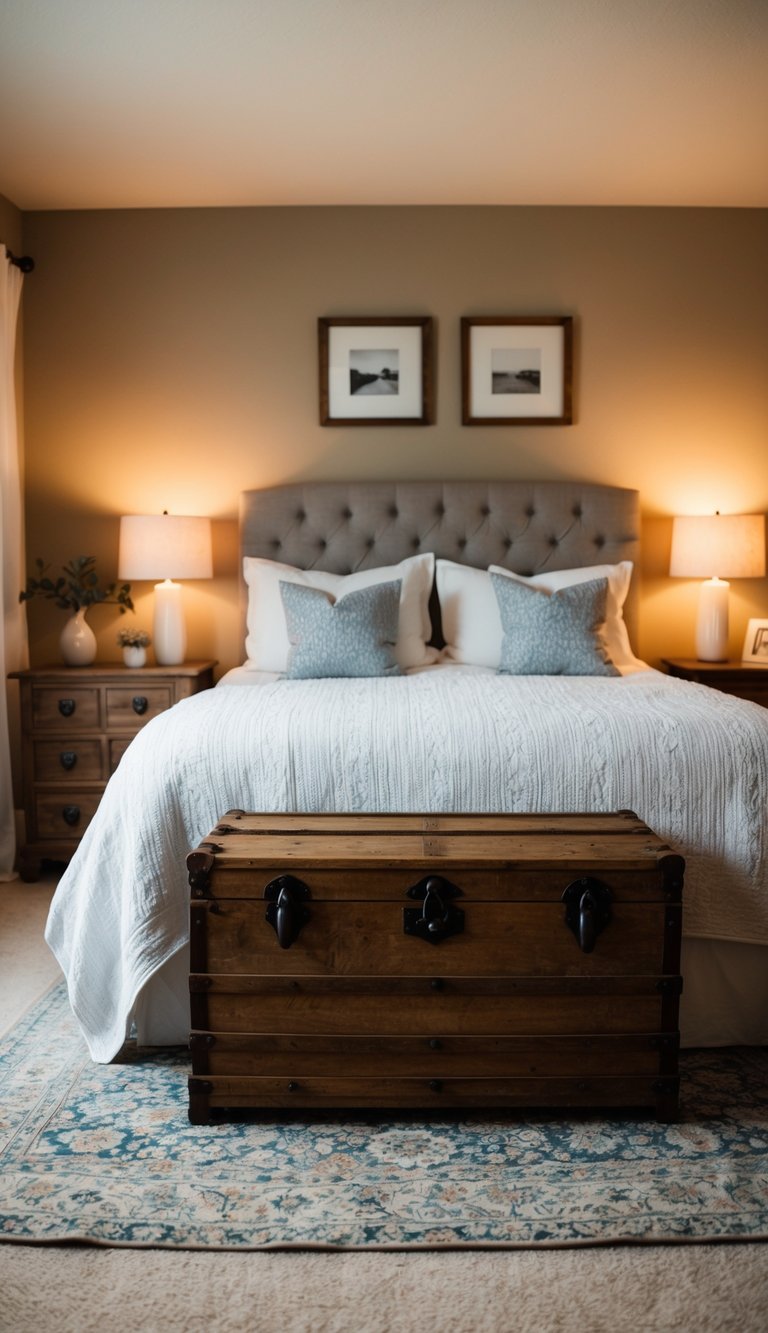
(470, 613)
(267, 644)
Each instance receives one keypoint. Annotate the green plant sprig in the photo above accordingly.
(76, 587)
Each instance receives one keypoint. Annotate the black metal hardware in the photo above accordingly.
(286, 912)
(68, 759)
(70, 814)
(673, 872)
(670, 985)
(200, 863)
(24, 262)
(435, 1045)
(140, 704)
(587, 910)
(202, 1041)
(67, 707)
(437, 919)
(199, 1085)
(436, 983)
(435, 1085)
(293, 1087)
(429, 884)
(665, 1087)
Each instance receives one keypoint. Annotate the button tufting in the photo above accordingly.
(393, 512)
(508, 543)
(577, 511)
(553, 541)
(485, 511)
(276, 544)
(599, 541)
(370, 543)
(416, 543)
(321, 545)
(346, 513)
(440, 511)
(301, 515)
(461, 543)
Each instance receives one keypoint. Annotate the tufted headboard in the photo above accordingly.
(525, 526)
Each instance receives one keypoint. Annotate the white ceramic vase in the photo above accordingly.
(134, 655)
(77, 640)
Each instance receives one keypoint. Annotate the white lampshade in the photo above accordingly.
(720, 546)
(166, 547)
(726, 546)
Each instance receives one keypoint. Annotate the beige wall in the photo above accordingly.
(170, 361)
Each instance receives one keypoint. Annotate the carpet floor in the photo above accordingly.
(648, 1289)
(105, 1154)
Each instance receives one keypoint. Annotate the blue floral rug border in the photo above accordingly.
(105, 1154)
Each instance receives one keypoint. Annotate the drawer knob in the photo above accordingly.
(435, 1085)
(67, 707)
(587, 910)
(286, 912)
(435, 1044)
(293, 1086)
(68, 759)
(139, 704)
(70, 814)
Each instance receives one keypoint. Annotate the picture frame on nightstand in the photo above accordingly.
(756, 642)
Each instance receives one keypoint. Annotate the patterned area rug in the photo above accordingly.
(105, 1153)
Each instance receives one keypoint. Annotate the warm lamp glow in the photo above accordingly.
(166, 547)
(722, 546)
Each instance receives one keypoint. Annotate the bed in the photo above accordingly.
(441, 729)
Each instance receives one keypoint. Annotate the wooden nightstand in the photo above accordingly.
(76, 723)
(747, 680)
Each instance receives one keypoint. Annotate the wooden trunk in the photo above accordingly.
(434, 960)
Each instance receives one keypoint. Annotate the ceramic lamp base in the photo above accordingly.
(169, 632)
(712, 623)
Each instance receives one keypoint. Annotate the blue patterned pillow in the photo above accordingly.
(553, 634)
(354, 636)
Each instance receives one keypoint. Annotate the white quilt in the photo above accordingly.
(689, 761)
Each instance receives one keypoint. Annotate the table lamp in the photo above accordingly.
(166, 547)
(717, 547)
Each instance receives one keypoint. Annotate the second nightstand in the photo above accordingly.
(747, 680)
(76, 724)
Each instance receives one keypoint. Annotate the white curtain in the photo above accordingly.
(13, 643)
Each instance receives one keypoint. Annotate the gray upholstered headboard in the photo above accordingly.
(526, 526)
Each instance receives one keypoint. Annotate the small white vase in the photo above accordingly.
(134, 655)
(77, 640)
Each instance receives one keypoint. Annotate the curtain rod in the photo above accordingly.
(24, 262)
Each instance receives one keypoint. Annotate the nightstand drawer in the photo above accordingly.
(77, 723)
(65, 815)
(61, 761)
(129, 707)
(65, 709)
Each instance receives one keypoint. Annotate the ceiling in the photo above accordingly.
(157, 103)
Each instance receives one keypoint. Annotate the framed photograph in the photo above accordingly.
(756, 642)
(516, 370)
(376, 372)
